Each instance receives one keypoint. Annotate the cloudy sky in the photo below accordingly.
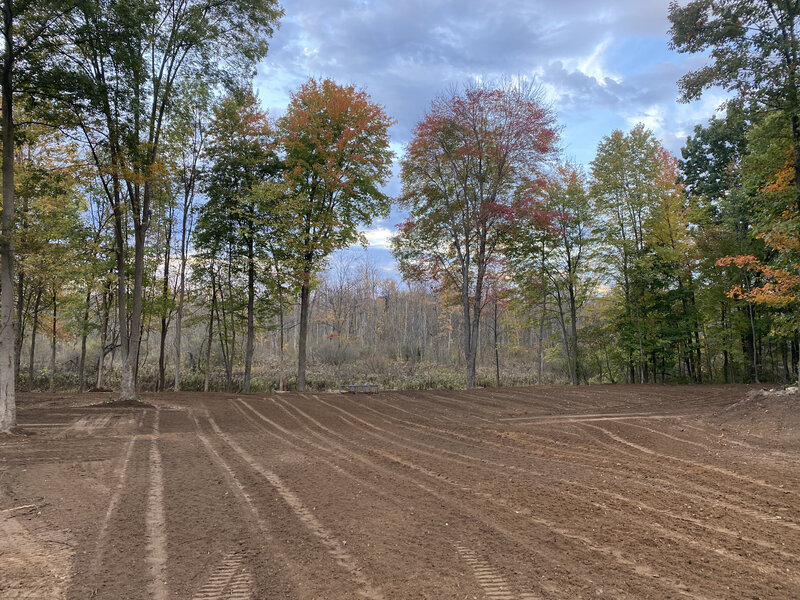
(603, 65)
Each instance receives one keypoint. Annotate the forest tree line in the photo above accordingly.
(162, 231)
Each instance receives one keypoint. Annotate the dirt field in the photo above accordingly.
(617, 492)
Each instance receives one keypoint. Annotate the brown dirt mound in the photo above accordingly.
(771, 413)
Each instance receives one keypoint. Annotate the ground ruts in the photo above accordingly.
(535, 493)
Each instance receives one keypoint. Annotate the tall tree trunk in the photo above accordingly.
(305, 295)
(251, 297)
(127, 385)
(179, 331)
(34, 328)
(8, 338)
(282, 383)
(496, 348)
(753, 336)
(207, 374)
(785, 361)
(20, 331)
(565, 338)
(228, 343)
(725, 359)
(84, 334)
(796, 138)
(468, 342)
(107, 302)
(573, 317)
(132, 364)
(181, 294)
(540, 362)
(162, 348)
(53, 345)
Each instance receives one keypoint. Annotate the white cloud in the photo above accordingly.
(379, 237)
(652, 117)
(593, 64)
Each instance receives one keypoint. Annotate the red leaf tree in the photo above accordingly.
(463, 172)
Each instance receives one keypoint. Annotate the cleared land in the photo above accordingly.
(619, 492)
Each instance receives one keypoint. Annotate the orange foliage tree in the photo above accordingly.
(335, 142)
(777, 229)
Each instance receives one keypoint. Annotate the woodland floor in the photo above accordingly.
(618, 492)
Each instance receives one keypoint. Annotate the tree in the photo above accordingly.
(189, 136)
(462, 173)
(723, 218)
(559, 250)
(335, 145)
(754, 49)
(133, 57)
(49, 233)
(635, 182)
(769, 175)
(32, 32)
(241, 153)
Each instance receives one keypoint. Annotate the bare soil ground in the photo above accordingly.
(618, 492)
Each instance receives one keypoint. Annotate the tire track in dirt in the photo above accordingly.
(255, 517)
(693, 463)
(113, 504)
(676, 483)
(446, 435)
(233, 481)
(455, 507)
(115, 542)
(342, 557)
(729, 451)
(579, 542)
(735, 538)
(32, 566)
(494, 463)
(230, 580)
(604, 441)
(85, 425)
(671, 533)
(398, 500)
(570, 454)
(284, 438)
(489, 579)
(705, 495)
(156, 522)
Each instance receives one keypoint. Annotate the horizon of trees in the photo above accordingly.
(161, 230)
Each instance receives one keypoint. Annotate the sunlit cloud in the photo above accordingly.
(379, 237)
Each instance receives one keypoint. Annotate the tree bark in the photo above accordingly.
(34, 328)
(20, 331)
(540, 365)
(53, 345)
(496, 348)
(754, 344)
(573, 317)
(305, 295)
(162, 348)
(82, 362)
(468, 355)
(107, 301)
(8, 338)
(207, 374)
(251, 296)
(796, 139)
(181, 291)
(565, 338)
